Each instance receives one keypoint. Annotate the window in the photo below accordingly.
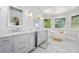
(47, 23)
(75, 22)
(37, 24)
(60, 23)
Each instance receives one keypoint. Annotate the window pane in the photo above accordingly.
(75, 22)
(60, 23)
(47, 23)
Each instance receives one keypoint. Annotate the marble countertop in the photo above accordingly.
(14, 33)
(6, 34)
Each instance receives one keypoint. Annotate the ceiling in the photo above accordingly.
(56, 9)
(49, 10)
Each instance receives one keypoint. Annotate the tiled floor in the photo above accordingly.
(66, 46)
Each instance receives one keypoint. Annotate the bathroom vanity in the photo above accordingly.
(6, 44)
(19, 42)
(22, 42)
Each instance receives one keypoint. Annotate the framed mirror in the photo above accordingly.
(15, 17)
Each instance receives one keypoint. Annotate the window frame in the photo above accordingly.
(64, 24)
(71, 22)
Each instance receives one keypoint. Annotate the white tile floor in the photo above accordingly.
(66, 46)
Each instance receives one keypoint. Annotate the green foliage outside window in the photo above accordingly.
(47, 23)
(60, 23)
(75, 22)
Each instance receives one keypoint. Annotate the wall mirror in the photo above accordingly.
(15, 17)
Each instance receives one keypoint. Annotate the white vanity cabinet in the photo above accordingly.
(21, 43)
(17, 43)
(42, 36)
(32, 40)
(6, 45)
(24, 42)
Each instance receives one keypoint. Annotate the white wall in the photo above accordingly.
(68, 20)
(67, 15)
(27, 22)
(3, 18)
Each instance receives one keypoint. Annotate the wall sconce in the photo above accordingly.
(30, 14)
(42, 18)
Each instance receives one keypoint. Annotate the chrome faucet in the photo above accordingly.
(17, 29)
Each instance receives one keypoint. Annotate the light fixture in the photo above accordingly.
(30, 14)
(41, 18)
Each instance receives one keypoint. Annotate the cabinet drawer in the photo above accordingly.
(20, 49)
(19, 44)
(6, 48)
(23, 48)
(4, 41)
(20, 38)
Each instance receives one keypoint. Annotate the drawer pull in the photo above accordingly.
(5, 40)
(24, 51)
(23, 42)
(22, 48)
